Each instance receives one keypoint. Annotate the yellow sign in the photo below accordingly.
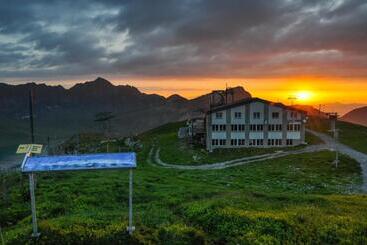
(29, 148)
(36, 148)
(23, 149)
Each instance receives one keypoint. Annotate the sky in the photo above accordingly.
(315, 51)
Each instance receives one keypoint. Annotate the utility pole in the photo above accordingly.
(31, 114)
(32, 179)
(336, 136)
(292, 99)
(48, 145)
(320, 106)
(333, 117)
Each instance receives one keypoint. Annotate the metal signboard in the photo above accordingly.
(31, 165)
(23, 149)
(79, 162)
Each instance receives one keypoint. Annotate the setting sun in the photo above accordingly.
(304, 95)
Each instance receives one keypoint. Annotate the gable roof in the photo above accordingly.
(248, 101)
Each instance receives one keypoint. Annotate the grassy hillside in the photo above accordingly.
(353, 135)
(350, 134)
(296, 199)
(177, 151)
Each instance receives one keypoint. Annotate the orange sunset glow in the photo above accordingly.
(307, 91)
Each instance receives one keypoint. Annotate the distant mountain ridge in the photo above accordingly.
(76, 107)
(356, 116)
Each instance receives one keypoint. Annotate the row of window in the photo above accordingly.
(275, 127)
(219, 142)
(255, 115)
(255, 127)
(238, 127)
(252, 142)
(274, 142)
(256, 142)
(293, 127)
(238, 141)
(219, 127)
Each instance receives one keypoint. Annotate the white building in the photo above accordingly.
(254, 123)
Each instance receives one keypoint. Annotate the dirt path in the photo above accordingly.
(154, 158)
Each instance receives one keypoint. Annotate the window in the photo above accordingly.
(218, 127)
(241, 141)
(237, 115)
(294, 127)
(219, 115)
(255, 142)
(274, 142)
(256, 115)
(290, 127)
(222, 142)
(233, 141)
(293, 114)
(275, 115)
(214, 142)
(289, 141)
(271, 127)
(241, 127)
(297, 127)
(275, 127)
(238, 127)
(256, 127)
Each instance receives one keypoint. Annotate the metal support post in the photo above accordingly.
(33, 204)
(131, 228)
(336, 136)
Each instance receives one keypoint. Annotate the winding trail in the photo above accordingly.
(154, 157)
(329, 144)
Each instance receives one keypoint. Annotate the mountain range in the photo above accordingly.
(60, 112)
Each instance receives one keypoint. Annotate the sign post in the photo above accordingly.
(28, 149)
(33, 205)
(130, 228)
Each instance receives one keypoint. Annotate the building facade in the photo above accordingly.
(254, 123)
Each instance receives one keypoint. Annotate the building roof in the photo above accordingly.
(248, 101)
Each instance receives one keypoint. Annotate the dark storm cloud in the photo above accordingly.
(183, 38)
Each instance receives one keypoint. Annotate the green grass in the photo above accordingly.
(291, 200)
(353, 135)
(176, 151)
(350, 134)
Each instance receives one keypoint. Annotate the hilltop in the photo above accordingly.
(357, 116)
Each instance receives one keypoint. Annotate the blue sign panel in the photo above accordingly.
(80, 162)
